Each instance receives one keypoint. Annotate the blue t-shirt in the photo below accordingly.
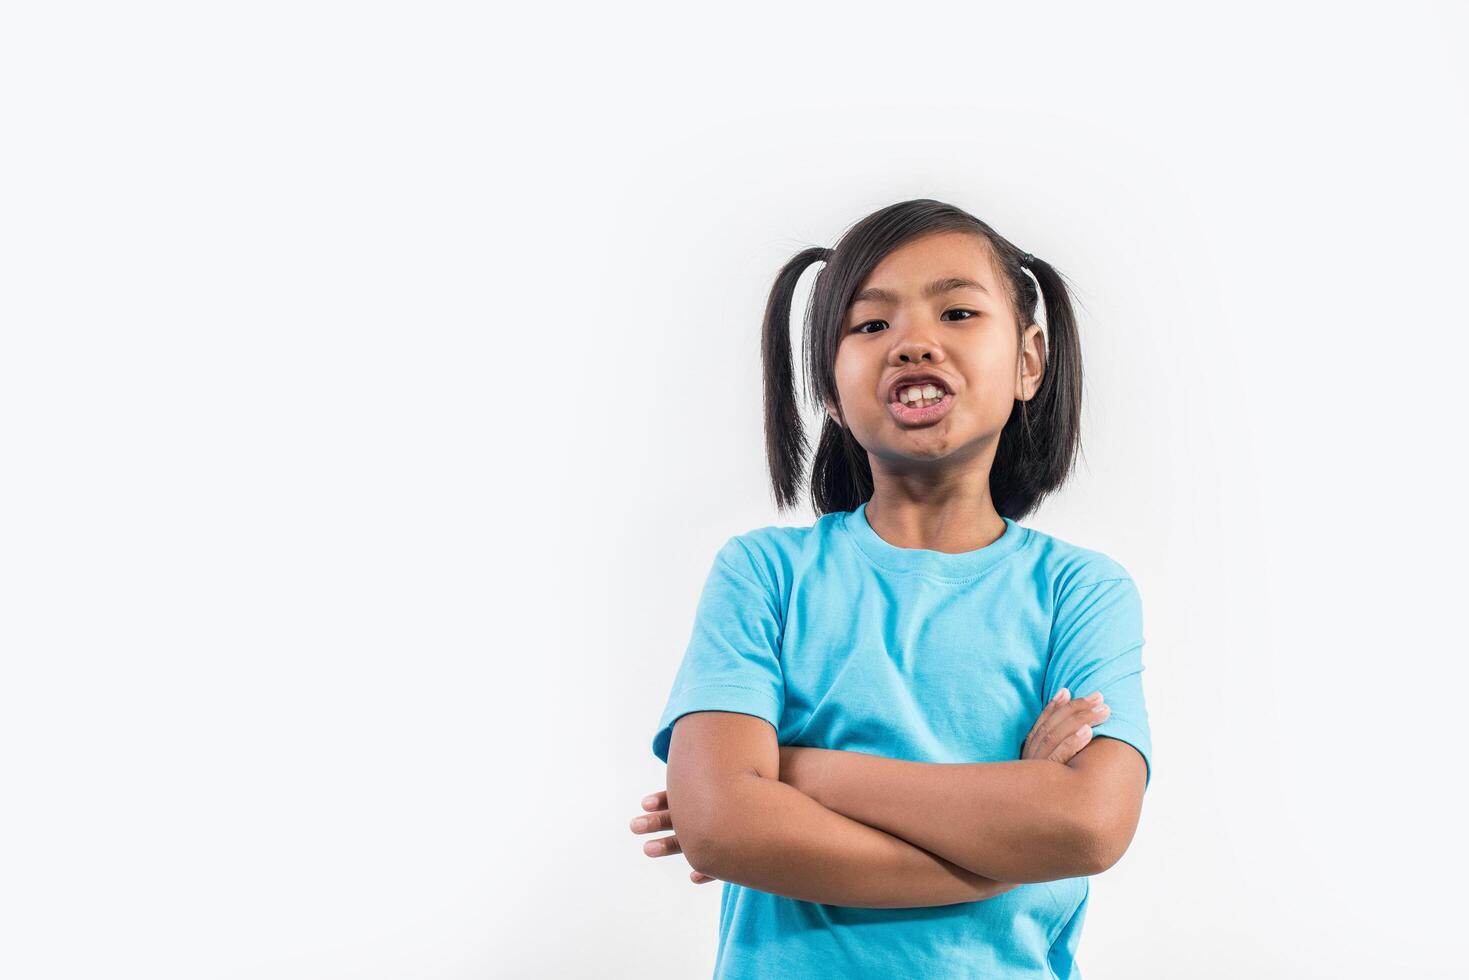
(843, 641)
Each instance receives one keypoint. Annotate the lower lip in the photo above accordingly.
(921, 416)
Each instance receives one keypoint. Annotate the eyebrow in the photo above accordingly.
(873, 294)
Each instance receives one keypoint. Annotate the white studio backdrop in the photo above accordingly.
(377, 383)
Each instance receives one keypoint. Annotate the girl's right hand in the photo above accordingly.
(1064, 727)
(658, 818)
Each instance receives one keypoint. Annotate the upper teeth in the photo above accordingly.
(919, 392)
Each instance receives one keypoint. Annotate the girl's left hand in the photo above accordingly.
(658, 818)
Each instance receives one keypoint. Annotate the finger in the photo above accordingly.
(1043, 721)
(1048, 712)
(1078, 713)
(1035, 745)
(1067, 719)
(701, 879)
(650, 822)
(657, 801)
(1072, 714)
(1071, 745)
(662, 847)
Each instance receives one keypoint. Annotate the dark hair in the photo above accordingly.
(1040, 440)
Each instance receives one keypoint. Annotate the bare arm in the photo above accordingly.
(737, 821)
(1016, 821)
(1025, 820)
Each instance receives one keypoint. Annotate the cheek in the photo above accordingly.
(991, 394)
(995, 405)
(853, 386)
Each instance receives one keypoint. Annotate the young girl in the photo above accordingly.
(871, 738)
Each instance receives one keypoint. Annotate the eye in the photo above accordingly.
(968, 315)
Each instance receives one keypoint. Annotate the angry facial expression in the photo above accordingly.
(934, 311)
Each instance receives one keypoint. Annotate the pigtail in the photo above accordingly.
(841, 473)
(785, 438)
(1039, 443)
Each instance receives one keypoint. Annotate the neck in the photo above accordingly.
(947, 518)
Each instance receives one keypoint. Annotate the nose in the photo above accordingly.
(912, 351)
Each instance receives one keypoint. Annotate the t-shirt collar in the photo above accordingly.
(937, 564)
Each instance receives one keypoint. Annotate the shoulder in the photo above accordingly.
(1069, 567)
(774, 553)
(772, 548)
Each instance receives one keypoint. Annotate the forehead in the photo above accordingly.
(911, 266)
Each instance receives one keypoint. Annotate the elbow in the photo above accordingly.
(1102, 828)
(1101, 844)
(709, 845)
(699, 839)
(708, 826)
(703, 855)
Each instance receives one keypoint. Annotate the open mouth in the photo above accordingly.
(921, 410)
(921, 396)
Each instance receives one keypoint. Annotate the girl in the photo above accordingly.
(849, 737)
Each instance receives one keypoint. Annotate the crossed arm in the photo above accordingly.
(861, 830)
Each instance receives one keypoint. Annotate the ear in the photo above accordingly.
(831, 413)
(1032, 364)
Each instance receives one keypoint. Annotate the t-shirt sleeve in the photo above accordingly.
(732, 662)
(1096, 645)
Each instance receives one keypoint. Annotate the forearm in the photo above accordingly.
(775, 838)
(1017, 821)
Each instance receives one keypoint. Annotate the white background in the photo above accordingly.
(378, 381)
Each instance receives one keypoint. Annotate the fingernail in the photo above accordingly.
(1057, 696)
(1099, 709)
(641, 823)
(1062, 694)
(651, 801)
(1083, 729)
(1094, 696)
